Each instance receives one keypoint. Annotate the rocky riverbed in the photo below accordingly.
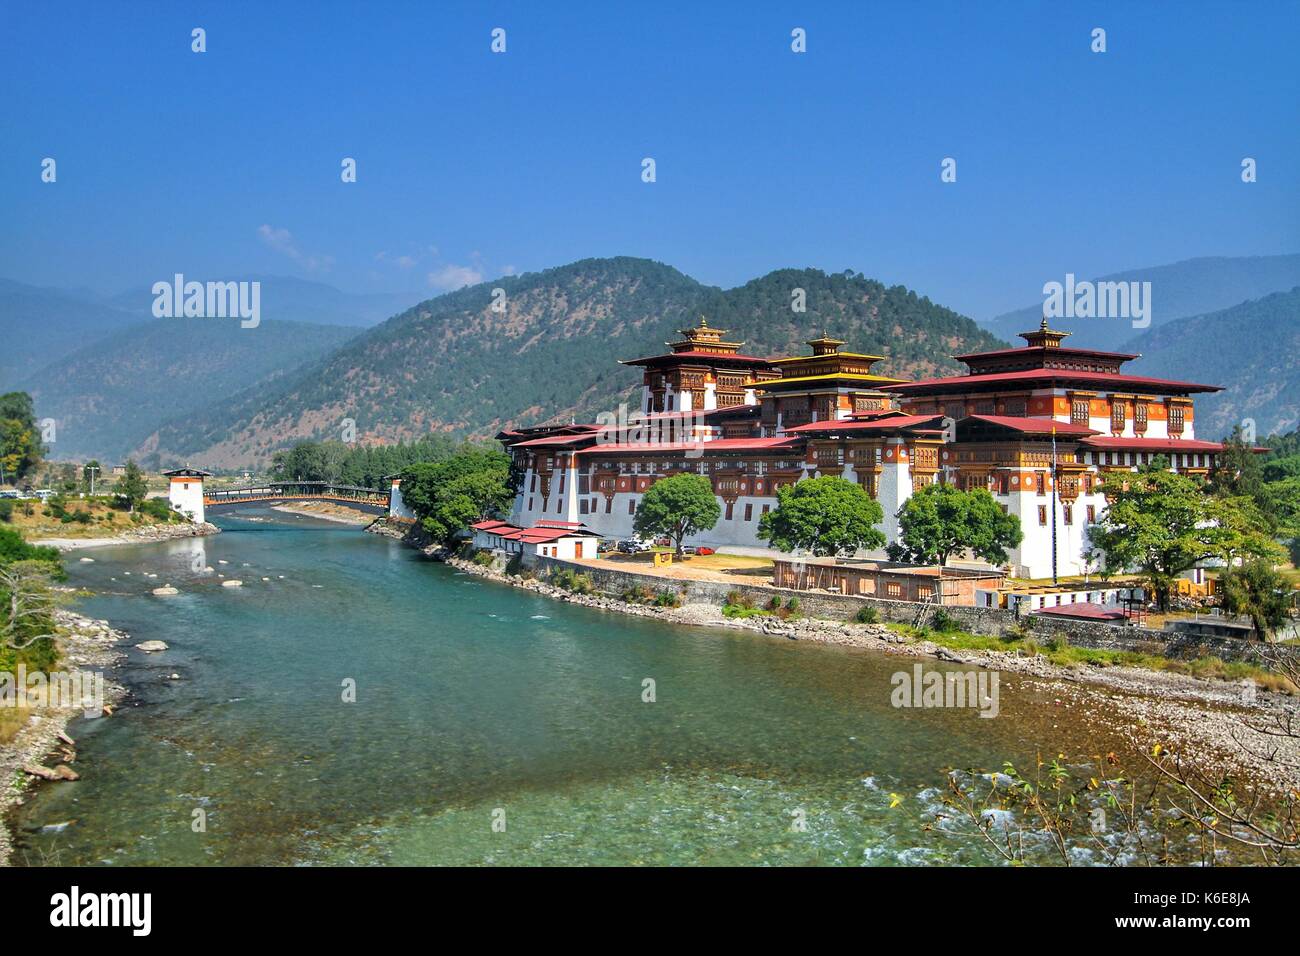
(42, 749)
(1216, 723)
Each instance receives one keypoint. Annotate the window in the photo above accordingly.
(609, 504)
(530, 504)
(1079, 410)
(1118, 415)
(1092, 514)
(749, 512)
(924, 592)
(765, 509)
(1140, 417)
(1042, 482)
(1042, 515)
(1176, 415)
(582, 506)
(631, 506)
(1067, 512)
(730, 506)
(894, 590)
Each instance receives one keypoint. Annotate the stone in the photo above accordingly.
(166, 589)
(87, 560)
(152, 647)
(232, 583)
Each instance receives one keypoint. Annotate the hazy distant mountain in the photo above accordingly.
(1252, 349)
(297, 300)
(1182, 289)
(39, 326)
(108, 396)
(453, 364)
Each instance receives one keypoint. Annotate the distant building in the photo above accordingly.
(185, 491)
(547, 539)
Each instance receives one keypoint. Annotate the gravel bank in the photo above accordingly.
(159, 532)
(89, 647)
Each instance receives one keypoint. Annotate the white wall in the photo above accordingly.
(186, 496)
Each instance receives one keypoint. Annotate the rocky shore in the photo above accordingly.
(1210, 719)
(141, 535)
(42, 749)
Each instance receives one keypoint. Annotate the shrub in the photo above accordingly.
(943, 622)
(792, 605)
(6, 509)
(572, 581)
(739, 599)
(482, 558)
(638, 594)
(774, 604)
(867, 615)
(668, 598)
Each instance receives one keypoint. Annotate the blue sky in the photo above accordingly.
(471, 163)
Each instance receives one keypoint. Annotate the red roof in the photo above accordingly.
(869, 425)
(1032, 426)
(1085, 610)
(1027, 376)
(547, 523)
(1150, 444)
(1035, 350)
(696, 354)
(552, 441)
(717, 444)
(491, 523)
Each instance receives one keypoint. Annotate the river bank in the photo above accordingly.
(1213, 722)
(89, 647)
(142, 535)
(327, 511)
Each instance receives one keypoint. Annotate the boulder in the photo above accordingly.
(166, 589)
(232, 583)
(152, 647)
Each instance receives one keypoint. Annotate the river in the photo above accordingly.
(477, 704)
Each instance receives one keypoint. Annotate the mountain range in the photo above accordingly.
(1192, 287)
(544, 346)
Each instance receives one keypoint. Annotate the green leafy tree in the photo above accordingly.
(20, 443)
(1237, 469)
(1160, 524)
(823, 516)
(13, 548)
(938, 521)
(450, 495)
(131, 487)
(1258, 591)
(677, 506)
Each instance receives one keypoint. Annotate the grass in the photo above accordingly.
(101, 520)
(1058, 652)
(12, 720)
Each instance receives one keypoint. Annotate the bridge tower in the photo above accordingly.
(186, 491)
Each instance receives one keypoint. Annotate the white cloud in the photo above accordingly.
(282, 241)
(450, 277)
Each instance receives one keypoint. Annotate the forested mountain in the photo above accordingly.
(1252, 349)
(39, 326)
(453, 364)
(108, 396)
(1181, 289)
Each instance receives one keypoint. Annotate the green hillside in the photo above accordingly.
(1252, 349)
(453, 364)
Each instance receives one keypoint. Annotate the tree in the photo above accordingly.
(448, 496)
(20, 444)
(677, 506)
(1161, 524)
(132, 487)
(1258, 591)
(941, 520)
(823, 516)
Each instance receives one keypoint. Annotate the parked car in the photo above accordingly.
(689, 549)
(704, 551)
(630, 546)
(606, 544)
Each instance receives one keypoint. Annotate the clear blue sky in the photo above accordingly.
(227, 163)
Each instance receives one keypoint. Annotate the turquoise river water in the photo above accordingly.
(476, 703)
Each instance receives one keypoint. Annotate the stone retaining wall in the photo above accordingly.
(975, 620)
